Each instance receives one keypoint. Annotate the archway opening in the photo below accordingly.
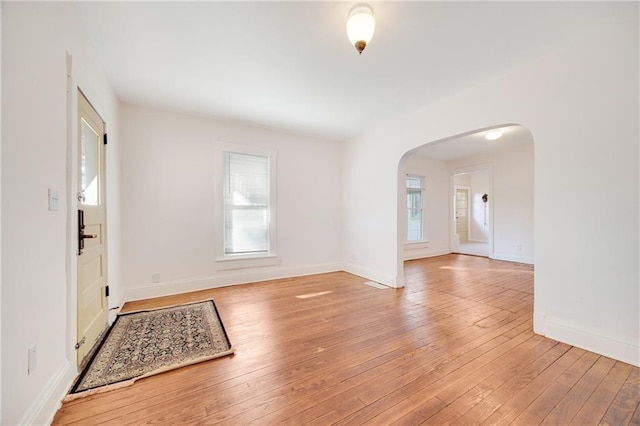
(495, 219)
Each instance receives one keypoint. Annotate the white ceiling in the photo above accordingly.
(475, 144)
(289, 65)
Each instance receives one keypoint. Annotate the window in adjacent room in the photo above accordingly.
(415, 214)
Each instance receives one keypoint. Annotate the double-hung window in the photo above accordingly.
(415, 215)
(246, 204)
(246, 207)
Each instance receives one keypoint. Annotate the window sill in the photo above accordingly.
(416, 243)
(242, 262)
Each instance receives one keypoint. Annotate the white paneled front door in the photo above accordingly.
(92, 304)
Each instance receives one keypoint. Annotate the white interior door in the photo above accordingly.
(91, 301)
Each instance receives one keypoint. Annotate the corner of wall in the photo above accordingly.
(45, 406)
(372, 275)
(424, 253)
(510, 258)
(563, 331)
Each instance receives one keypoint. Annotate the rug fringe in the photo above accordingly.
(129, 382)
(166, 307)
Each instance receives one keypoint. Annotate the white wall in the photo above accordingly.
(511, 199)
(1, 219)
(168, 202)
(462, 179)
(38, 253)
(580, 103)
(436, 207)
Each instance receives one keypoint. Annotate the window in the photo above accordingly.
(246, 204)
(245, 207)
(414, 208)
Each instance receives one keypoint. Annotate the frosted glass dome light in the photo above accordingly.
(360, 26)
(492, 136)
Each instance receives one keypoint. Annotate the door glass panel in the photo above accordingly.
(90, 165)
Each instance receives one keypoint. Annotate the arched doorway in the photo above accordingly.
(499, 207)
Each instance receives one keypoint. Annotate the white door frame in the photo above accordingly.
(71, 266)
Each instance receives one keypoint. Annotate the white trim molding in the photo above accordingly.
(421, 250)
(236, 277)
(510, 258)
(229, 263)
(272, 159)
(425, 254)
(564, 331)
(372, 275)
(45, 406)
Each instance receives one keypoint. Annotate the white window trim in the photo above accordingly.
(416, 243)
(242, 262)
(253, 260)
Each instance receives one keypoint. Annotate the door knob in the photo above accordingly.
(81, 235)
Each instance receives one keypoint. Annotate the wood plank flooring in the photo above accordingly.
(455, 346)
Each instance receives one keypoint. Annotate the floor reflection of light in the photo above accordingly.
(306, 296)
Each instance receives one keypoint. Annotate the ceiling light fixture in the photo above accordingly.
(360, 26)
(493, 135)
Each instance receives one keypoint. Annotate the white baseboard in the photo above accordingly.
(113, 313)
(512, 258)
(372, 275)
(422, 254)
(45, 406)
(563, 331)
(227, 278)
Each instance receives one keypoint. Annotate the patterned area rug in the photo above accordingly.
(140, 344)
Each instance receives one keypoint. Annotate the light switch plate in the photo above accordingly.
(32, 360)
(54, 200)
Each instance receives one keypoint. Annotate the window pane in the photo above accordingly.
(414, 199)
(414, 208)
(246, 214)
(414, 182)
(247, 180)
(246, 230)
(90, 166)
(414, 225)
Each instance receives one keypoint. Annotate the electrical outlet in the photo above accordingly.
(519, 246)
(155, 278)
(32, 361)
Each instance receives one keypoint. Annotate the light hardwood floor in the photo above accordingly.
(455, 346)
